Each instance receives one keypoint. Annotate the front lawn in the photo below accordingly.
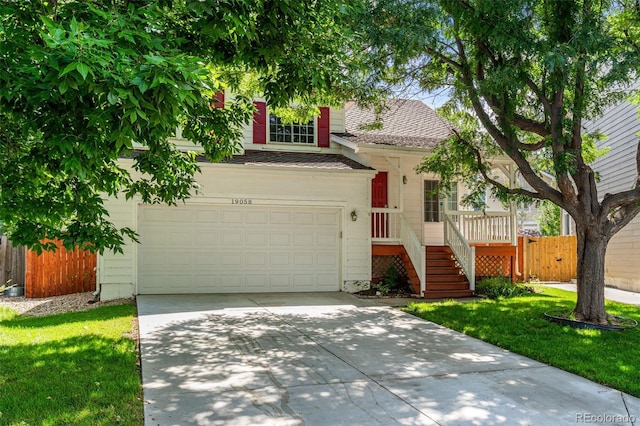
(74, 368)
(517, 324)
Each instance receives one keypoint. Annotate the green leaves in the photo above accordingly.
(82, 83)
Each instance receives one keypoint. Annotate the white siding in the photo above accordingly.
(617, 172)
(220, 184)
(336, 120)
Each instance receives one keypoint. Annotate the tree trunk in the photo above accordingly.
(592, 247)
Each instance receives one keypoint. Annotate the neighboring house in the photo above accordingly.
(305, 207)
(528, 214)
(618, 172)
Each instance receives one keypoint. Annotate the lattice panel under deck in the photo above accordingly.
(380, 265)
(493, 266)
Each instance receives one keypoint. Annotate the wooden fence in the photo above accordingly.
(12, 261)
(60, 272)
(549, 258)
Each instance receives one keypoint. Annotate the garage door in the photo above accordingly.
(236, 249)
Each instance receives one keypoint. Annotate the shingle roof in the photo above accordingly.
(405, 123)
(310, 160)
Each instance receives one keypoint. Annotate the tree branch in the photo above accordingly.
(509, 146)
(482, 168)
(541, 97)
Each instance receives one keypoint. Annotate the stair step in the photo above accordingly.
(447, 294)
(445, 278)
(439, 256)
(443, 270)
(443, 285)
(441, 262)
(445, 249)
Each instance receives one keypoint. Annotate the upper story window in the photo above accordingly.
(300, 133)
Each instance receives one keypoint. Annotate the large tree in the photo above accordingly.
(524, 75)
(83, 83)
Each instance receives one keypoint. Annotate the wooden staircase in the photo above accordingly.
(444, 278)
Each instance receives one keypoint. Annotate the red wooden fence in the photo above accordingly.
(60, 272)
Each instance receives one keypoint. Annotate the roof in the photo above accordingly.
(307, 160)
(405, 123)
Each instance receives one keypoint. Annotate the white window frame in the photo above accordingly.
(291, 126)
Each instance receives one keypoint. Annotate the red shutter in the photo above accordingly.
(218, 99)
(323, 128)
(260, 123)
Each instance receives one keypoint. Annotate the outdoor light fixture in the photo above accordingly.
(354, 215)
(404, 179)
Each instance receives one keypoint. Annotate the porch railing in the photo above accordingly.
(385, 225)
(484, 227)
(390, 226)
(464, 253)
(417, 252)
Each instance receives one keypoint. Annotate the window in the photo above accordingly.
(433, 200)
(302, 133)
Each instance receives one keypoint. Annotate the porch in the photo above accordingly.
(476, 244)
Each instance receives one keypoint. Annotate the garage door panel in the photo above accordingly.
(257, 218)
(231, 282)
(327, 259)
(207, 217)
(328, 219)
(257, 239)
(326, 281)
(257, 282)
(234, 216)
(232, 238)
(280, 218)
(205, 260)
(326, 240)
(225, 249)
(279, 260)
(304, 238)
(280, 239)
(231, 260)
(280, 282)
(257, 260)
(206, 237)
(304, 281)
(303, 260)
(304, 218)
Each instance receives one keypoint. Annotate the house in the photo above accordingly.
(306, 207)
(618, 172)
(528, 214)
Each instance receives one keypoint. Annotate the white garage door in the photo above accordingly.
(236, 249)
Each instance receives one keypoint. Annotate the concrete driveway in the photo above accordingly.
(333, 359)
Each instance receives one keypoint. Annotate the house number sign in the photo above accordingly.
(242, 201)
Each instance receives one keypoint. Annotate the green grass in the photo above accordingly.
(69, 369)
(517, 324)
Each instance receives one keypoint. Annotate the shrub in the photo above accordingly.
(499, 287)
(390, 281)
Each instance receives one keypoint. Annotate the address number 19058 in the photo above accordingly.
(242, 201)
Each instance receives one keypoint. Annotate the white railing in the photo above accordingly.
(464, 253)
(390, 226)
(484, 227)
(385, 225)
(416, 251)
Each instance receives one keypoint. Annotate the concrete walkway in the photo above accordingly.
(610, 293)
(334, 359)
